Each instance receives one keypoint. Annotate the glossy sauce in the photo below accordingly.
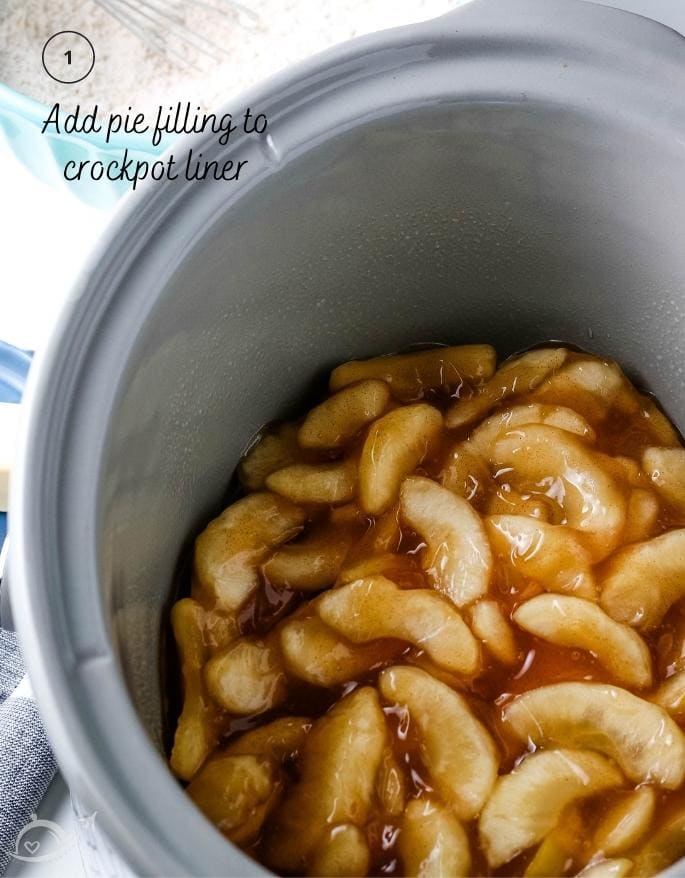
(539, 662)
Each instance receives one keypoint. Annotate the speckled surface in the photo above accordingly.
(245, 49)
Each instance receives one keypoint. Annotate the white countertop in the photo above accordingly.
(46, 234)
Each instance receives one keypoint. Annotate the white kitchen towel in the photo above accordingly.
(27, 765)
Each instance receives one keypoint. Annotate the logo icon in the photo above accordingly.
(42, 840)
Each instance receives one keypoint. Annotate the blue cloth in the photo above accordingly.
(27, 765)
(11, 665)
(14, 367)
(27, 768)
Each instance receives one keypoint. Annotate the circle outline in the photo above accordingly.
(68, 81)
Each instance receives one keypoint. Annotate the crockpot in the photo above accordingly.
(512, 172)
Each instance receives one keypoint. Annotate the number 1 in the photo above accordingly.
(67, 55)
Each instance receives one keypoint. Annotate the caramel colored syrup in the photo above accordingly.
(539, 663)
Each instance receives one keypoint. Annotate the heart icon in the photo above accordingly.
(32, 846)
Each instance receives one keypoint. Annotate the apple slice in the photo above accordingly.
(340, 417)
(237, 793)
(457, 556)
(553, 555)
(342, 851)
(248, 677)
(559, 846)
(374, 608)
(506, 501)
(641, 583)
(574, 622)
(516, 377)
(313, 562)
(197, 731)
(230, 549)
(459, 754)
(390, 784)
(660, 427)
(642, 516)
(666, 469)
(547, 457)
(395, 445)
(325, 483)
(411, 376)
(639, 736)
(432, 842)
(398, 568)
(484, 436)
(491, 627)
(591, 387)
(280, 740)
(664, 847)
(618, 868)
(276, 447)
(315, 653)
(626, 823)
(466, 474)
(337, 772)
(671, 695)
(528, 802)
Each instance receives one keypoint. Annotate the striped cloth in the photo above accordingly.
(27, 765)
